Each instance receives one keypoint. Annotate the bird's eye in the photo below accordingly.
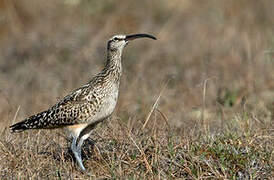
(115, 39)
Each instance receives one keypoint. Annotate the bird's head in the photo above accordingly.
(118, 42)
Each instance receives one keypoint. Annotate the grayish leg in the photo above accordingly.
(77, 143)
(81, 141)
(77, 153)
(79, 149)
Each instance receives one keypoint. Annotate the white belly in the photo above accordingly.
(108, 105)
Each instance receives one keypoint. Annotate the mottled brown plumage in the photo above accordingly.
(85, 107)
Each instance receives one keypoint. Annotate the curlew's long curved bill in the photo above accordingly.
(135, 36)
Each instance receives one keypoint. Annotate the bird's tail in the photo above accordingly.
(33, 122)
(18, 127)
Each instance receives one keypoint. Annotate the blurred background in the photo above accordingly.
(216, 58)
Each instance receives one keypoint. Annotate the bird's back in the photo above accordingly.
(92, 102)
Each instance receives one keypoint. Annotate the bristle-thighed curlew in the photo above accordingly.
(84, 108)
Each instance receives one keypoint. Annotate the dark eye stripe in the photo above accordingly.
(116, 39)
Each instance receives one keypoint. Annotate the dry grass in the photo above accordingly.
(214, 118)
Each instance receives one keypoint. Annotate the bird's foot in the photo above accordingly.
(78, 157)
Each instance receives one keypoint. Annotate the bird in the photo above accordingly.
(82, 109)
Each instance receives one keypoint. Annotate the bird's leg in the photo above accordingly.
(85, 133)
(81, 141)
(77, 143)
(77, 153)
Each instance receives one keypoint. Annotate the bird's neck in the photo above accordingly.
(114, 59)
(113, 64)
